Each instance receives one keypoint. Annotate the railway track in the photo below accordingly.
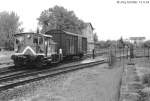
(10, 78)
(12, 69)
(23, 78)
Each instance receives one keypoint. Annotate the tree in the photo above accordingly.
(121, 43)
(60, 18)
(95, 37)
(147, 44)
(9, 24)
(108, 43)
(101, 44)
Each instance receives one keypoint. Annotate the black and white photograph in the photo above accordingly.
(75, 50)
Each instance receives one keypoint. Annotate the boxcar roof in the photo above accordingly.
(73, 34)
(66, 32)
(45, 35)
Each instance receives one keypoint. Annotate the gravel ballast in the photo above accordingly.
(98, 83)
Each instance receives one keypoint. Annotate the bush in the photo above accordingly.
(142, 96)
(146, 79)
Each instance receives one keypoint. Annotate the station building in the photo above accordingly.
(88, 32)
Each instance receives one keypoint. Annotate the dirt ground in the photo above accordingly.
(97, 83)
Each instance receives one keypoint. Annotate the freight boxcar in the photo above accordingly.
(71, 44)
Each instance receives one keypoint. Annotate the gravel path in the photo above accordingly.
(91, 84)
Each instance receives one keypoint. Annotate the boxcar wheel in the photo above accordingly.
(80, 56)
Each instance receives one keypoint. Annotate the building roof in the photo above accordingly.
(137, 38)
(89, 23)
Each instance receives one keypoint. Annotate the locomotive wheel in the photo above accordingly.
(39, 65)
(80, 56)
(49, 63)
(39, 62)
(17, 65)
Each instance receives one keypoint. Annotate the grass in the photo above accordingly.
(5, 56)
(142, 65)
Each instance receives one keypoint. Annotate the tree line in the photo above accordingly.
(56, 17)
(9, 24)
(121, 44)
(53, 18)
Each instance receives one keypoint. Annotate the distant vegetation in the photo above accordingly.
(113, 43)
(146, 44)
(9, 25)
(60, 18)
(53, 18)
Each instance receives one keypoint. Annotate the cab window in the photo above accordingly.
(19, 39)
(35, 40)
(40, 40)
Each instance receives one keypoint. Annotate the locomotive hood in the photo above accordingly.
(29, 51)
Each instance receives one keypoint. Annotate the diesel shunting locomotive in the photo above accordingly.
(52, 47)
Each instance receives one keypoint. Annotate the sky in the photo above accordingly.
(110, 19)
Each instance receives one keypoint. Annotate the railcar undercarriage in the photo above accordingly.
(29, 60)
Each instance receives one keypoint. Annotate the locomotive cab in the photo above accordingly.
(33, 49)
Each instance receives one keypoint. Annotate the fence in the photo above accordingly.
(120, 53)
